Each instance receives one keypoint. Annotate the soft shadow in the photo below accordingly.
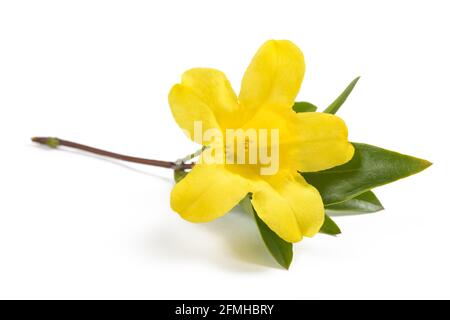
(230, 243)
(240, 235)
(102, 158)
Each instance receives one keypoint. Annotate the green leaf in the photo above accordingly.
(281, 250)
(370, 167)
(178, 175)
(330, 227)
(304, 107)
(336, 104)
(366, 202)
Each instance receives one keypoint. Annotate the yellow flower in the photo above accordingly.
(308, 142)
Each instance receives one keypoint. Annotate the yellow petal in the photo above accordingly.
(191, 112)
(289, 206)
(214, 89)
(273, 77)
(207, 192)
(308, 141)
(317, 141)
(204, 95)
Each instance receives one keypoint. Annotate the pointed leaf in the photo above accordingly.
(336, 104)
(370, 167)
(281, 250)
(330, 227)
(366, 202)
(304, 107)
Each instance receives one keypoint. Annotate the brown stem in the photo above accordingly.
(56, 142)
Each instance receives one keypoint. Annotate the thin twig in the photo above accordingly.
(56, 142)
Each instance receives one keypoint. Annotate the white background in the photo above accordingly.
(98, 72)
